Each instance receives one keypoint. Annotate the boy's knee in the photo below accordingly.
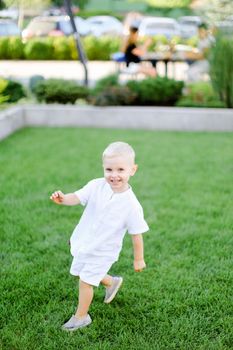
(84, 284)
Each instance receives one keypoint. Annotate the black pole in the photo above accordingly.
(81, 52)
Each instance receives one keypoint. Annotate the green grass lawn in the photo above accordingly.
(183, 300)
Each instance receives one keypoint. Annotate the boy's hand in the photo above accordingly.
(139, 265)
(57, 197)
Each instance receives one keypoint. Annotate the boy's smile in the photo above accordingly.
(117, 172)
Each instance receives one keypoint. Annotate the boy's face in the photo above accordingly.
(117, 172)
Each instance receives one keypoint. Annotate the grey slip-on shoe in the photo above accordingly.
(112, 291)
(76, 323)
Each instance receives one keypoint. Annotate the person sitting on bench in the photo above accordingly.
(133, 54)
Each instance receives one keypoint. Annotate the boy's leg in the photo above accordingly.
(107, 281)
(85, 298)
(81, 318)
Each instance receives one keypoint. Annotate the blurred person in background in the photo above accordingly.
(133, 54)
(199, 60)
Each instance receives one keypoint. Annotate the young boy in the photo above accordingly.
(111, 210)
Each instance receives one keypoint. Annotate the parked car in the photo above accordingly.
(151, 26)
(230, 18)
(101, 25)
(225, 27)
(47, 26)
(82, 26)
(9, 28)
(189, 25)
(11, 12)
(53, 26)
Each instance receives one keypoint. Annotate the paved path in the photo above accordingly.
(23, 70)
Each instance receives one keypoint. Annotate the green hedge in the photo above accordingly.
(39, 50)
(148, 92)
(60, 48)
(64, 48)
(108, 91)
(11, 48)
(11, 91)
(3, 97)
(59, 91)
(156, 91)
(200, 94)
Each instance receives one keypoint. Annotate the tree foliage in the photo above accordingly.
(216, 10)
(27, 4)
(167, 3)
(80, 3)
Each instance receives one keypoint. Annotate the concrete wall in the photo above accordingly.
(11, 120)
(152, 118)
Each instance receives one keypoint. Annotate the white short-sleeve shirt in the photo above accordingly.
(104, 222)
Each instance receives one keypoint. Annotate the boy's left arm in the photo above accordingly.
(139, 263)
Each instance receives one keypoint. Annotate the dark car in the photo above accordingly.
(9, 28)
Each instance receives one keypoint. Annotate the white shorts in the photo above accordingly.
(91, 273)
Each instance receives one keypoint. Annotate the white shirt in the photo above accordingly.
(104, 222)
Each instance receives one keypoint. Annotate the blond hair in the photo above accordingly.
(119, 149)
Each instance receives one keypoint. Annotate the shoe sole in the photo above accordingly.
(75, 329)
(115, 292)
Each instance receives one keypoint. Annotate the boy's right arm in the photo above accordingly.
(66, 199)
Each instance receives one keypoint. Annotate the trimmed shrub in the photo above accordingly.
(34, 80)
(221, 69)
(11, 48)
(64, 48)
(4, 45)
(105, 83)
(3, 85)
(39, 49)
(200, 94)
(61, 49)
(60, 91)
(114, 96)
(14, 91)
(15, 48)
(100, 48)
(156, 91)
(72, 47)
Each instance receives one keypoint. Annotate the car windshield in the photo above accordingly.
(160, 26)
(189, 23)
(97, 23)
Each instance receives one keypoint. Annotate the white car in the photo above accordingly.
(82, 26)
(230, 18)
(53, 26)
(189, 26)
(225, 27)
(11, 12)
(151, 26)
(9, 28)
(101, 25)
